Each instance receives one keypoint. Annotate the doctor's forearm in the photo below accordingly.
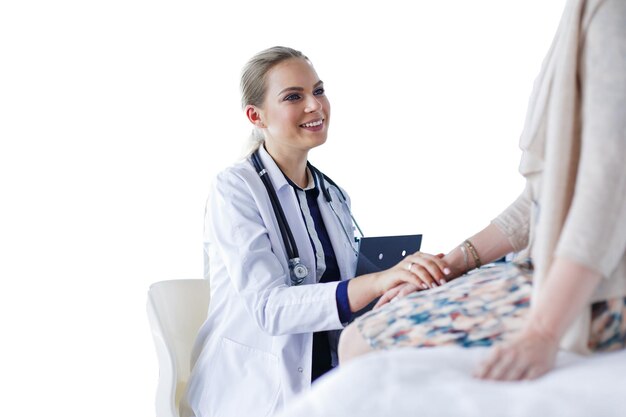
(361, 291)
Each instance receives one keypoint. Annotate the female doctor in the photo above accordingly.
(279, 237)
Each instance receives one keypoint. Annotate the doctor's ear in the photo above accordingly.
(254, 115)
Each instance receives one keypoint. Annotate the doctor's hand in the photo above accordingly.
(396, 292)
(421, 270)
(428, 271)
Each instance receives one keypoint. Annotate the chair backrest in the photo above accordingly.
(176, 310)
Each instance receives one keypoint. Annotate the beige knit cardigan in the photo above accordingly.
(574, 156)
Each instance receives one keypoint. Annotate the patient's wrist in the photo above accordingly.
(543, 330)
(457, 261)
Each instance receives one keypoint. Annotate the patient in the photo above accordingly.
(568, 227)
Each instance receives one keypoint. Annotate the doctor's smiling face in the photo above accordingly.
(295, 112)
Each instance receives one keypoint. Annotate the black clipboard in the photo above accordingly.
(382, 252)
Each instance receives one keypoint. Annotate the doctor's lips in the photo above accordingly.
(314, 125)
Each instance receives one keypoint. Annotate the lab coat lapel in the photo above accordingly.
(345, 255)
(291, 207)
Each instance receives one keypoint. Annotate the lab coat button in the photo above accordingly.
(300, 370)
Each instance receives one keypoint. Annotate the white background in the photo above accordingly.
(115, 115)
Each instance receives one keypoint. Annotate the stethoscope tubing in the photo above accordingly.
(297, 271)
(323, 177)
(287, 235)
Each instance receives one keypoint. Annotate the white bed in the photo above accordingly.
(438, 382)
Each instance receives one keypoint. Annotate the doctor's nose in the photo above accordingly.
(312, 105)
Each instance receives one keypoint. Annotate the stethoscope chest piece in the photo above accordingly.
(298, 271)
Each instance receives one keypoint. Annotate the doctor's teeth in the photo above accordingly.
(312, 124)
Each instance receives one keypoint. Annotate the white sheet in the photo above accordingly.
(438, 382)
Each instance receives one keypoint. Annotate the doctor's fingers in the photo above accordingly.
(388, 296)
(436, 260)
(426, 279)
(395, 293)
(430, 269)
(399, 276)
(408, 289)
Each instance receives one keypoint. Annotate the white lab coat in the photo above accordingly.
(253, 353)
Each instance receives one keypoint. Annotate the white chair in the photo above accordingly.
(176, 310)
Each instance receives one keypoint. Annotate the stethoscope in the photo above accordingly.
(297, 270)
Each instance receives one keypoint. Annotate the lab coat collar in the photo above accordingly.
(311, 184)
(279, 179)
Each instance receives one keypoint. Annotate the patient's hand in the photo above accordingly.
(529, 355)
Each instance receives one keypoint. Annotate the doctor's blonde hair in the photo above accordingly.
(253, 86)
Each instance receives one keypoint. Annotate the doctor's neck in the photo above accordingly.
(292, 163)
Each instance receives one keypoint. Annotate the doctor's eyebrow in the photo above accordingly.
(317, 84)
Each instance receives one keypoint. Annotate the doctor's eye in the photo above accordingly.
(292, 97)
(318, 92)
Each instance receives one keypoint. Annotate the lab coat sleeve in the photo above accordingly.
(594, 232)
(240, 234)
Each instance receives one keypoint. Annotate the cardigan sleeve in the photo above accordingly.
(514, 222)
(594, 232)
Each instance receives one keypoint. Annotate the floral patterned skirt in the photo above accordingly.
(478, 309)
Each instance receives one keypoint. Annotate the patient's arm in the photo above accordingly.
(490, 244)
(567, 289)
